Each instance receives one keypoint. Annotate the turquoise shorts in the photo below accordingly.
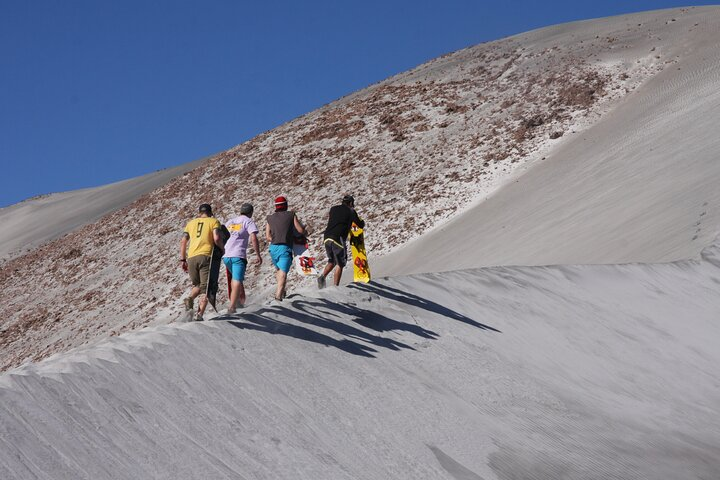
(281, 256)
(236, 266)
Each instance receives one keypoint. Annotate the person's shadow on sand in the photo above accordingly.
(317, 312)
(263, 323)
(367, 318)
(400, 296)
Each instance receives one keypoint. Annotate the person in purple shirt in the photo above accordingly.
(242, 231)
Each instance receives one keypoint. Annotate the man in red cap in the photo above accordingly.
(280, 231)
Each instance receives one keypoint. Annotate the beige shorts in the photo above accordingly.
(199, 270)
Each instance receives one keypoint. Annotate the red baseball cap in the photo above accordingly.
(280, 203)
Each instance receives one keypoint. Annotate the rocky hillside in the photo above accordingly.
(414, 150)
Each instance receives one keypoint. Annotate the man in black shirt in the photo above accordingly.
(340, 220)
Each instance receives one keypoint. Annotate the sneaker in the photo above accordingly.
(198, 317)
(230, 311)
(321, 282)
(188, 303)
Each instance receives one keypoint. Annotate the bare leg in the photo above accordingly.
(328, 269)
(281, 278)
(337, 274)
(234, 293)
(194, 292)
(203, 304)
(238, 294)
(241, 296)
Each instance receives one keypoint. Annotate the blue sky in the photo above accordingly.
(96, 91)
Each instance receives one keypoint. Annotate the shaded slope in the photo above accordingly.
(415, 150)
(509, 372)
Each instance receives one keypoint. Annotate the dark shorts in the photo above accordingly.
(199, 271)
(336, 254)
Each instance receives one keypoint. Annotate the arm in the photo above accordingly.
(217, 239)
(299, 226)
(268, 234)
(183, 245)
(356, 218)
(256, 246)
(183, 249)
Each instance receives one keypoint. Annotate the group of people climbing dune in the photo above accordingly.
(206, 244)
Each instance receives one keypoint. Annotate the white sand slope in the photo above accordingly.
(641, 185)
(582, 372)
(635, 183)
(41, 219)
(573, 371)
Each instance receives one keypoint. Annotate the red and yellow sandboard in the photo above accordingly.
(361, 269)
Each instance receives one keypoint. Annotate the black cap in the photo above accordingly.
(246, 209)
(205, 208)
(348, 200)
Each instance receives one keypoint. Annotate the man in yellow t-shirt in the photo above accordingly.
(200, 236)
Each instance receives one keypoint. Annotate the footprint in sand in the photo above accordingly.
(699, 223)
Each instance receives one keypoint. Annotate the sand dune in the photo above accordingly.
(583, 372)
(416, 149)
(562, 324)
(38, 220)
(638, 186)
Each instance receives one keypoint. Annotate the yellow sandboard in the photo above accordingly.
(361, 269)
